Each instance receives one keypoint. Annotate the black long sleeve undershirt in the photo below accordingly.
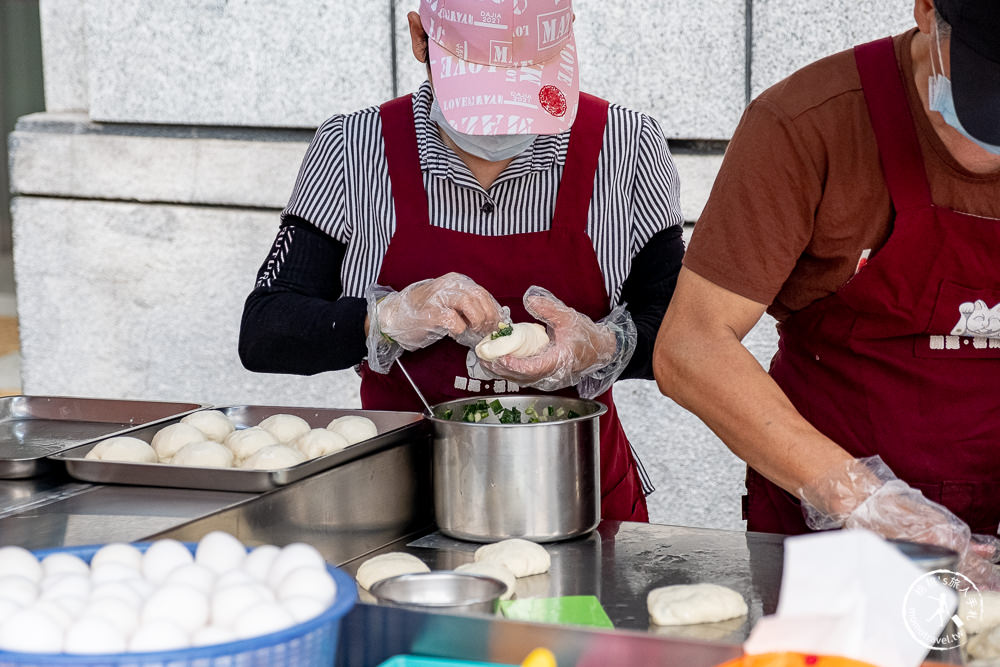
(300, 323)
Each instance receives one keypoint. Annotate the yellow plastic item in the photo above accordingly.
(540, 657)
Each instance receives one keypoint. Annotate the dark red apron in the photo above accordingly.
(561, 260)
(902, 361)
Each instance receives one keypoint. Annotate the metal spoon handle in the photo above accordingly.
(413, 384)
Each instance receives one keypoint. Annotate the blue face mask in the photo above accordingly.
(940, 99)
(494, 148)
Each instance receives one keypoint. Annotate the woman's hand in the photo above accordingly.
(426, 311)
(577, 346)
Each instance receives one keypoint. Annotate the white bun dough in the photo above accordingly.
(354, 428)
(245, 443)
(976, 620)
(204, 454)
(687, 604)
(320, 442)
(169, 439)
(526, 339)
(494, 570)
(285, 428)
(388, 565)
(984, 646)
(123, 448)
(213, 423)
(521, 557)
(274, 457)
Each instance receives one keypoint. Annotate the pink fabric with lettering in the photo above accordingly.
(503, 66)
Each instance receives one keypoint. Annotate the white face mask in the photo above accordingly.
(492, 147)
(941, 100)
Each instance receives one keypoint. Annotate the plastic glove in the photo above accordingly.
(866, 494)
(582, 352)
(425, 312)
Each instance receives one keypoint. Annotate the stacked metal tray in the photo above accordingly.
(33, 428)
(393, 428)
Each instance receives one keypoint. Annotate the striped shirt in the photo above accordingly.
(343, 189)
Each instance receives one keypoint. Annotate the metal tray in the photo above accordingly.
(33, 428)
(393, 427)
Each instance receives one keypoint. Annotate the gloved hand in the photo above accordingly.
(425, 312)
(866, 494)
(582, 352)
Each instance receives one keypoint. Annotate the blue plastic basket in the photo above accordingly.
(313, 642)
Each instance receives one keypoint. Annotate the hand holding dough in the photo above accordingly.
(687, 604)
(526, 339)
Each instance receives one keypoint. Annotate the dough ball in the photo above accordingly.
(687, 604)
(285, 427)
(354, 428)
(213, 423)
(169, 439)
(274, 457)
(981, 620)
(388, 565)
(985, 645)
(246, 442)
(320, 442)
(123, 448)
(494, 570)
(204, 454)
(526, 339)
(521, 557)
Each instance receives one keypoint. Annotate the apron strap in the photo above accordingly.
(892, 120)
(409, 197)
(585, 141)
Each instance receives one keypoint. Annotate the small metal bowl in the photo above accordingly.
(455, 592)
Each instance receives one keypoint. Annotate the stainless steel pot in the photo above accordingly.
(538, 481)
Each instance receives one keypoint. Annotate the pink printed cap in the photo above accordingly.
(503, 66)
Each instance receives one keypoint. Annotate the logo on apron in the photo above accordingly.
(976, 320)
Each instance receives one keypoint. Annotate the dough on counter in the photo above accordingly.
(246, 442)
(985, 645)
(169, 439)
(353, 428)
(983, 619)
(686, 604)
(521, 557)
(494, 570)
(213, 423)
(123, 448)
(204, 454)
(320, 442)
(285, 427)
(388, 565)
(526, 339)
(274, 457)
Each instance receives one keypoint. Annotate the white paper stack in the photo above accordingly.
(852, 594)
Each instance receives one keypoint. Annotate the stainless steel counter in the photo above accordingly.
(383, 502)
(621, 562)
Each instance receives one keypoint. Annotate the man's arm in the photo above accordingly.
(700, 362)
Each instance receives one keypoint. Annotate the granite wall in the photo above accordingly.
(147, 194)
